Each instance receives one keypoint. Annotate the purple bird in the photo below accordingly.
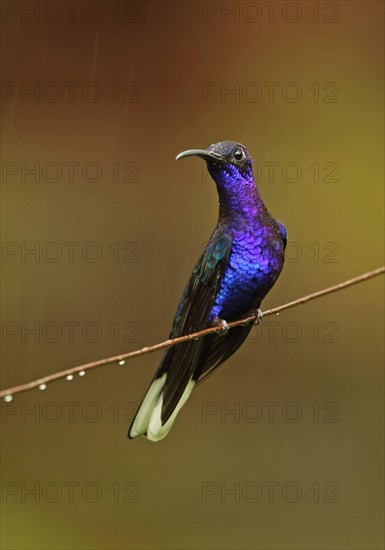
(239, 266)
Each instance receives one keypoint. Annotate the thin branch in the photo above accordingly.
(41, 383)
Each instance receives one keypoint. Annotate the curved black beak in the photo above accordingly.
(202, 153)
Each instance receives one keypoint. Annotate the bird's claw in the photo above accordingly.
(223, 324)
(258, 314)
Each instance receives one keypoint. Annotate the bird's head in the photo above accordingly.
(230, 166)
(227, 162)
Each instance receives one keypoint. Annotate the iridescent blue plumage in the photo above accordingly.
(241, 263)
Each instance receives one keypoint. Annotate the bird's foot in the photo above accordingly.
(258, 314)
(223, 324)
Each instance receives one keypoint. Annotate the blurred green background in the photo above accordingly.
(306, 388)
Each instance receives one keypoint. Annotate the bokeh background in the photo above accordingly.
(161, 74)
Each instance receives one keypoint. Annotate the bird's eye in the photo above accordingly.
(239, 154)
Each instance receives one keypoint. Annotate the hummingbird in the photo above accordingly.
(241, 262)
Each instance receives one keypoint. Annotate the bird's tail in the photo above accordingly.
(148, 420)
(182, 367)
(168, 392)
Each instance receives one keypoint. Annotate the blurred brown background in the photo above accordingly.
(99, 99)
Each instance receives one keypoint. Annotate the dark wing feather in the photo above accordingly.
(193, 314)
(217, 349)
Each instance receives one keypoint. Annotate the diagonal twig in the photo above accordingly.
(41, 383)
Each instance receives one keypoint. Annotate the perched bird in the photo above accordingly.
(239, 266)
